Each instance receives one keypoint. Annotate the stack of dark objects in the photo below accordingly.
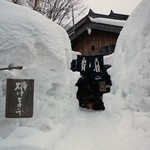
(93, 83)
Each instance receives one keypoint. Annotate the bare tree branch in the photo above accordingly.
(58, 11)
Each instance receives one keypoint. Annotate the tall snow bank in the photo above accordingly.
(43, 49)
(131, 67)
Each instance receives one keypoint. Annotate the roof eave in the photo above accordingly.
(96, 26)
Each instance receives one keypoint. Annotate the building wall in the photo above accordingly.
(90, 44)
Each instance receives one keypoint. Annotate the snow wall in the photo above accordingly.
(43, 48)
(130, 70)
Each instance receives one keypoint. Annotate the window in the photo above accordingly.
(92, 47)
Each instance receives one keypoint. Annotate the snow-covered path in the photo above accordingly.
(100, 131)
(88, 130)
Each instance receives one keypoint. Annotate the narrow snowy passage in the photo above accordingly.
(43, 49)
(97, 130)
(88, 130)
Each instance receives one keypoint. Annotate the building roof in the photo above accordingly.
(110, 23)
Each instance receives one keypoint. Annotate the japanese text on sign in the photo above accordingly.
(20, 88)
(19, 98)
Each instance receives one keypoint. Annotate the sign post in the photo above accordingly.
(19, 98)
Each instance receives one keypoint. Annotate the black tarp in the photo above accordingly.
(91, 68)
(92, 84)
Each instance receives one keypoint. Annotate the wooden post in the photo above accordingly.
(9, 68)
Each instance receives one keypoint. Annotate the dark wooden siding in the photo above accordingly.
(91, 44)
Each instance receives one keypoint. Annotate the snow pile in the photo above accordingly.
(131, 66)
(130, 74)
(74, 55)
(43, 49)
(108, 59)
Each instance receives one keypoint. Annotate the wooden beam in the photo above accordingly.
(9, 68)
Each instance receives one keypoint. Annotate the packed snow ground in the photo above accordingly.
(43, 49)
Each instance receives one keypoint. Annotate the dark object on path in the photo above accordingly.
(93, 83)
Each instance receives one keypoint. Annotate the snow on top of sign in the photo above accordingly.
(114, 22)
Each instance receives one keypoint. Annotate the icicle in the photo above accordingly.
(89, 30)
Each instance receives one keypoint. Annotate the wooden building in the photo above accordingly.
(96, 34)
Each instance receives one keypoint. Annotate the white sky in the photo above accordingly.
(118, 6)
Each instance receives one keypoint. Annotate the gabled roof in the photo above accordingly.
(110, 23)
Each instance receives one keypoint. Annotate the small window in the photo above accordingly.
(93, 48)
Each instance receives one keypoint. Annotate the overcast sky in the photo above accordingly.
(118, 6)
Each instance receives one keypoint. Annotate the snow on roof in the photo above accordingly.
(114, 22)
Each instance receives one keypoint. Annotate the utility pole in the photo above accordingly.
(73, 16)
(73, 22)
